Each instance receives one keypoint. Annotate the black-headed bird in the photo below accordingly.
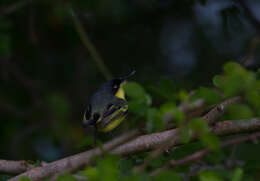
(107, 107)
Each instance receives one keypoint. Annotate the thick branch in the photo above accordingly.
(152, 141)
(14, 167)
(74, 162)
(198, 155)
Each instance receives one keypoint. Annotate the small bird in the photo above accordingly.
(107, 107)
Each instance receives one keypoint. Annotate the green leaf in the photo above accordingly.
(91, 173)
(148, 100)
(239, 111)
(126, 166)
(233, 85)
(185, 134)
(135, 90)
(253, 97)
(201, 129)
(233, 67)
(235, 80)
(210, 140)
(137, 94)
(170, 108)
(167, 175)
(179, 116)
(131, 178)
(210, 96)
(108, 168)
(152, 115)
(154, 120)
(199, 126)
(167, 108)
(183, 95)
(237, 174)
(137, 107)
(209, 176)
(218, 80)
(66, 177)
(24, 179)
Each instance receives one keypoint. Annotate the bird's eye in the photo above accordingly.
(115, 86)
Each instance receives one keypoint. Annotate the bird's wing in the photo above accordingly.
(114, 115)
(111, 108)
(116, 104)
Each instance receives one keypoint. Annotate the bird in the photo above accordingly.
(107, 107)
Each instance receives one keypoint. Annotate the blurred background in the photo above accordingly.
(47, 74)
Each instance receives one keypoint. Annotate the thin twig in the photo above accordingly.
(13, 7)
(249, 58)
(14, 111)
(256, 39)
(211, 117)
(185, 108)
(198, 155)
(250, 15)
(89, 45)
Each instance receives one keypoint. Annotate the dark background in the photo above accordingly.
(47, 74)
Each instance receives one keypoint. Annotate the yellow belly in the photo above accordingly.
(111, 125)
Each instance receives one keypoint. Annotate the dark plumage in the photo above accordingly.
(107, 106)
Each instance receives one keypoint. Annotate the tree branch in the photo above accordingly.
(141, 143)
(13, 7)
(152, 141)
(89, 45)
(211, 117)
(198, 155)
(14, 167)
(74, 162)
(250, 15)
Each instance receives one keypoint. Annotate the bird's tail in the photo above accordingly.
(128, 75)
